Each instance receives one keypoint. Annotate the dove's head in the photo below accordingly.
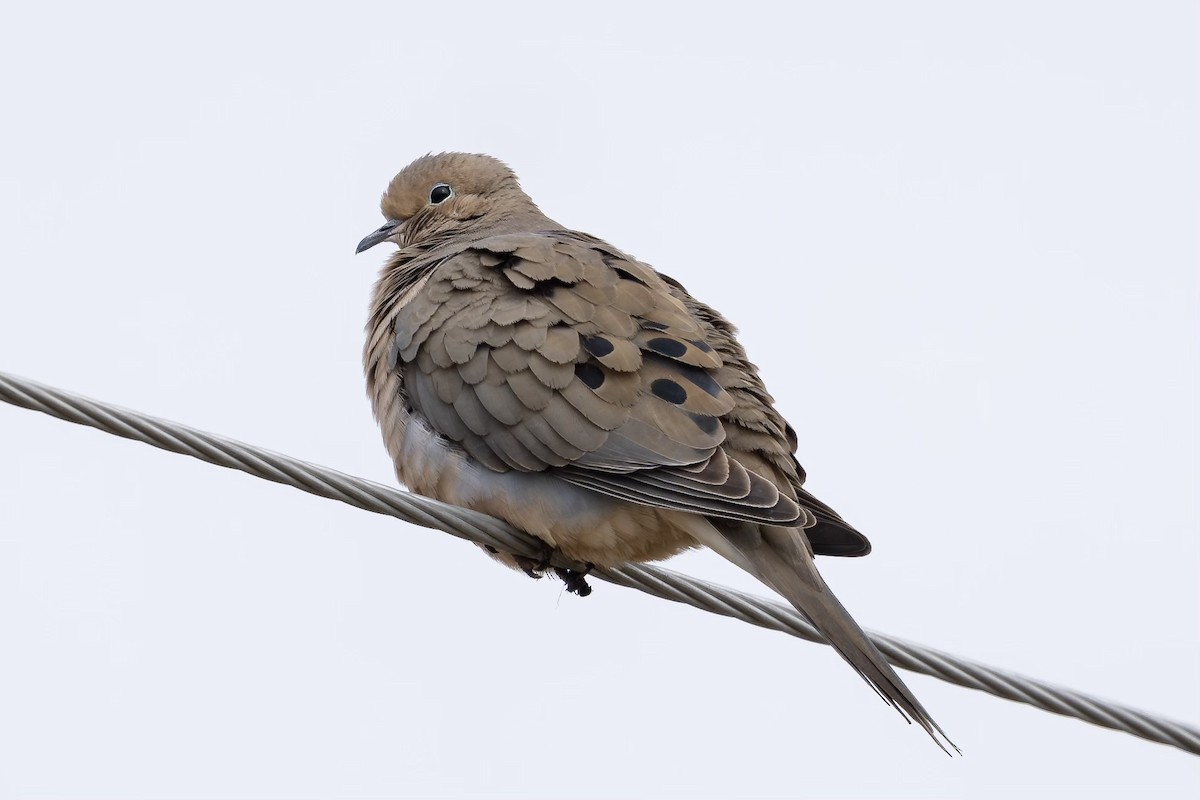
(450, 195)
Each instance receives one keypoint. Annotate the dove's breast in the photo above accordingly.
(385, 385)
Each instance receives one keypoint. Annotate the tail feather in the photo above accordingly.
(781, 558)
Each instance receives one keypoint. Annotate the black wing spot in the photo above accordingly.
(706, 423)
(702, 379)
(546, 288)
(651, 325)
(701, 345)
(597, 346)
(669, 390)
(667, 347)
(591, 375)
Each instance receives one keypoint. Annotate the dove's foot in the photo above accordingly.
(536, 568)
(576, 581)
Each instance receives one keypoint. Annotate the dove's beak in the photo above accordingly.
(388, 230)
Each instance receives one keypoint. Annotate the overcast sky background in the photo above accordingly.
(960, 241)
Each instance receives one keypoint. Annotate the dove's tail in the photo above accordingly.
(779, 558)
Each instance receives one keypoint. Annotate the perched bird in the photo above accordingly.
(541, 375)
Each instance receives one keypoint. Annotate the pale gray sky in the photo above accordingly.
(961, 243)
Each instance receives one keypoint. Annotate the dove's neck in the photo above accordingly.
(513, 213)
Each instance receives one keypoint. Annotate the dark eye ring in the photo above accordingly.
(440, 193)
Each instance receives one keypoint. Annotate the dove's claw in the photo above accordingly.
(576, 581)
(536, 569)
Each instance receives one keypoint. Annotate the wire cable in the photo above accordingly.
(657, 581)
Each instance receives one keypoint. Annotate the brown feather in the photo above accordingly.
(572, 425)
(556, 376)
(529, 336)
(512, 357)
(475, 370)
(533, 394)
(540, 427)
(561, 345)
(602, 414)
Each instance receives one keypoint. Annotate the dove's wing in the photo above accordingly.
(546, 352)
(759, 436)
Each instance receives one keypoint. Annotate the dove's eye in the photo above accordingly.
(440, 193)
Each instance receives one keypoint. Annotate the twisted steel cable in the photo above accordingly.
(664, 583)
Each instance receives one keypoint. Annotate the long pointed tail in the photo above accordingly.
(781, 558)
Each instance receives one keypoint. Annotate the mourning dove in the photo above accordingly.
(540, 375)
